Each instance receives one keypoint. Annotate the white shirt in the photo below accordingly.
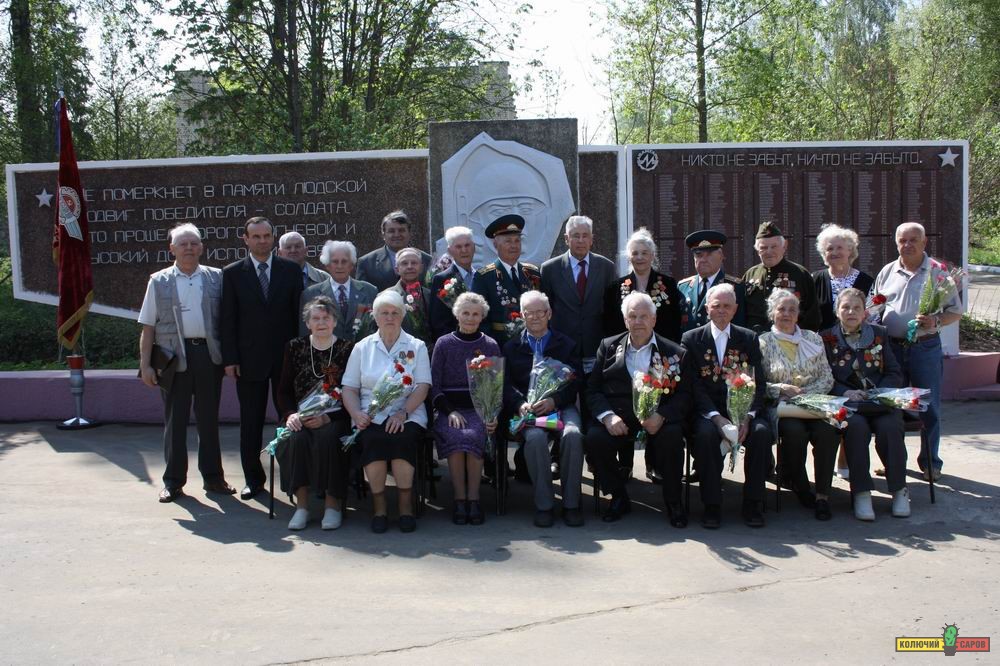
(507, 268)
(256, 264)
(190, 290)
(710, 281)
(575, 263)
(370, 360)
(635, 360)
(721, 340)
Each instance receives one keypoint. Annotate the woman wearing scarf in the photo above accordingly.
(795, 363)
(861, 359)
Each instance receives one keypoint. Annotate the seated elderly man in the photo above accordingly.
(537, 340)
(353, 297)
(715, 350)
(609, 397)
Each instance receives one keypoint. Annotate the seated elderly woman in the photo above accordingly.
(460, 432)
(861, 359)
(795, 363)
(315, 460)
(389, 437)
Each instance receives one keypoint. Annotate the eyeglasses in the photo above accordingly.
(531, 314)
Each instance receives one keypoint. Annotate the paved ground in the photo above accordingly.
(984, 296)
(94, 570)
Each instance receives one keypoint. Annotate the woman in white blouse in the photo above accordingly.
(389, 438)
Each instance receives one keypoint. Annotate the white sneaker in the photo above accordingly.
(863, 506)
(901, 503)
(844, 473)
(331, 519)
(299, 519)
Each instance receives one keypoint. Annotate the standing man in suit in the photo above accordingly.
(776, 272)
(714, 350)
(378, 267)
(260, 313)
(353, 297)
(503, 281)
(575, 282)
(709, 257)
(462, 250)
(416, 296)
(609, 398)
(537, 340)
(292, 246)
(180, 314)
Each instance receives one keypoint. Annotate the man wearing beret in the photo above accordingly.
(706, 246)
(777, 272)
(503, 281)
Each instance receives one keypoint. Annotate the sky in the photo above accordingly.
(564, 35)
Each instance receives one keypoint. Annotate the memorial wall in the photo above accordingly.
(672, 190)
(870, 188)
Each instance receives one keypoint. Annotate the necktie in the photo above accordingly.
(342, 299)
(702, 290)
(305, 278)
(262, 276)
(581, 279)
(513, 276)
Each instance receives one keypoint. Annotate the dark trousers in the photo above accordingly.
(795, 435)
(666, 448)
(253, 411)
(708, 455)
(202, 380)
(889, 444)
(315, 458)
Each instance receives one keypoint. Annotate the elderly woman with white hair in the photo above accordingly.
(795, 363)
(389, 437)
(453, 275)
(460, 433)
(839, 249)
(642, 256)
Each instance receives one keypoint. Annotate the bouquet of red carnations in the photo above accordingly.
(485, 375)
(649, 387)
(740, 388)
(830, 408)
(321, 399)
(450, 291)
(908, 398)
(388, 389)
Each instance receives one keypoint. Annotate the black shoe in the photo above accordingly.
(654, 476)
(170, 494)
(752, 515)
(807, 498)
(460, 516)
(573, 517)
(625, 472)
(476, 515)
(407, 523)
(712, 518)
(620, 505)
(544, 518)
(380, 524)
(677, 515)
(249, 492)
(219, 487)
(823, 510)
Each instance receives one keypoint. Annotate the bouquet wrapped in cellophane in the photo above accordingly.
(830, 407)
(548, 377)
(485, 375)
(321, 399)
(941, 285)
(388, 389)
(649, 387)
(740, 388)
(909, 398)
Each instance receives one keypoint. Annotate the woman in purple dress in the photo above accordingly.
(459, 432)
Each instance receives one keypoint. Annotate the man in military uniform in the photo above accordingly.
(706, 246)
(503, 281)
(777, 272)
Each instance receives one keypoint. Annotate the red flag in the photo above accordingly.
(70, 239)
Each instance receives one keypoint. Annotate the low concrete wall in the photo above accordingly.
(110, 396)
(969, 370)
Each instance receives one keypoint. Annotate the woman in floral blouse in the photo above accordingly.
(642, 256)
(795, 363)
(861, 359)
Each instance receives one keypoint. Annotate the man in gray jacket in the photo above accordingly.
(353, 297)
(180, 315)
